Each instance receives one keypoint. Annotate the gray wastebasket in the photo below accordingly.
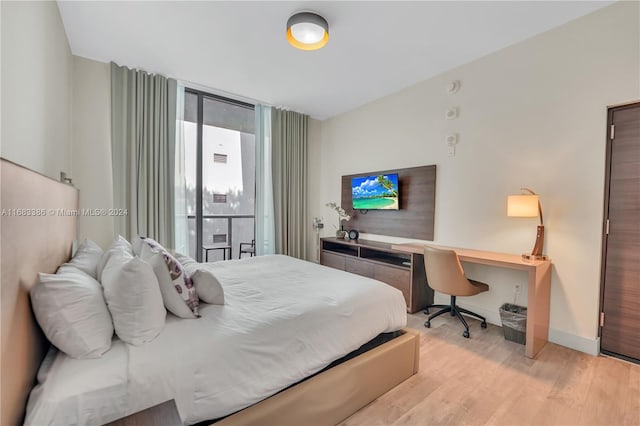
(514, 322)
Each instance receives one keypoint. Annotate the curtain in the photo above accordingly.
(265, 233)
(143, 129)
(289, 134)
(181, 221)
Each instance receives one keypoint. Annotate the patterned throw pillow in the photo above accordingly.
(178, 278)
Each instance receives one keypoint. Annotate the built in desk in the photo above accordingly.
(539, 286)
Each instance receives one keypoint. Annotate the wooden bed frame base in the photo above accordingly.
(335, 394)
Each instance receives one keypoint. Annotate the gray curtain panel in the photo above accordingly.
(289, 138)
(143, 131)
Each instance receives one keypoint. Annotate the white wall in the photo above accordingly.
(36, 87)
(56, 109)
(91, 140)
(533, 114)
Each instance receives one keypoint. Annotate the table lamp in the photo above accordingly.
(528, 205)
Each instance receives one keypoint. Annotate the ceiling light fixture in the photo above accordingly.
(307, 31)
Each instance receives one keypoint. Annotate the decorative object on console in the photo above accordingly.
(354, 234)
(528, 205)
(307, 31)
(342, 216)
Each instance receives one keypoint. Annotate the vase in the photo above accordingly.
(340, 233)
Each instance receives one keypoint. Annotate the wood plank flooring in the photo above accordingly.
(486, 380)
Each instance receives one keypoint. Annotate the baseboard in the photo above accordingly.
(562, 338)
(579, 343)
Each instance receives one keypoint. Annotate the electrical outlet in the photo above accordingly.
(516, 292)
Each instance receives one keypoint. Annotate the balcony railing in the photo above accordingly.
(229, 218)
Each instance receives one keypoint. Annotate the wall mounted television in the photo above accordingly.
(375, 192)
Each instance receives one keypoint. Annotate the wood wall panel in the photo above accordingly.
(415, 219)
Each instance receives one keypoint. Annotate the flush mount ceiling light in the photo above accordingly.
(307, 31)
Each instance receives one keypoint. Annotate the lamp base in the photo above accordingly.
(535, 257)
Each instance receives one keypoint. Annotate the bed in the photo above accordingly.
(272, 332)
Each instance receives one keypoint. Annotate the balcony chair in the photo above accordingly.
(247, 248)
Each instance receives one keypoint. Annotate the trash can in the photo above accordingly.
(514, 322)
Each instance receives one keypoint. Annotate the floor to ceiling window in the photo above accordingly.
(220, 175)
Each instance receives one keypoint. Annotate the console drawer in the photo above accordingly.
(333, 260)
(359, 267)
(395, 277)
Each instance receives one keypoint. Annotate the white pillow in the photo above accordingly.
(71, 310)
(119, 244)
(173, 300)
(208, 287)
(190, 264)
(181, 279)
(133, 297)
(87, 257)
(136, 245)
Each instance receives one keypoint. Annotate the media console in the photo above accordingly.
(377, 260)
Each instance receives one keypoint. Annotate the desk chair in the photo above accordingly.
(247, 248)
(445, 275)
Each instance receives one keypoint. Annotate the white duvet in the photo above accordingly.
(283, 320)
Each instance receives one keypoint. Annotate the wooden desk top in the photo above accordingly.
(504, 260)
(378, 245)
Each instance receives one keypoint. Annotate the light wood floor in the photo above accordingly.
(486, 380)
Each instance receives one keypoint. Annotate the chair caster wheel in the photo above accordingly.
(483, 324)
(465, 334)
(427, 324)
(426, 311)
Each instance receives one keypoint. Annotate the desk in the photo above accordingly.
(539, 287)
(225, 249)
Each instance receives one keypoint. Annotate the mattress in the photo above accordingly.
(283, 320)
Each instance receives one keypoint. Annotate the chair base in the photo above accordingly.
(456, 311)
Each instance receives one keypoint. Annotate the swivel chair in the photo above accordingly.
(445, 275)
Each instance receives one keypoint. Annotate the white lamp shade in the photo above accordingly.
(522, 206)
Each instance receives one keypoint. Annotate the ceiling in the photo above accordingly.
(239, 48)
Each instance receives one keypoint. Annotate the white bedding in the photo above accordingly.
(284, 320)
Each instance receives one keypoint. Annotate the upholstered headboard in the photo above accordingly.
(37, 232)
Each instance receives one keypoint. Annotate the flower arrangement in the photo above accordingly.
(342, 216)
